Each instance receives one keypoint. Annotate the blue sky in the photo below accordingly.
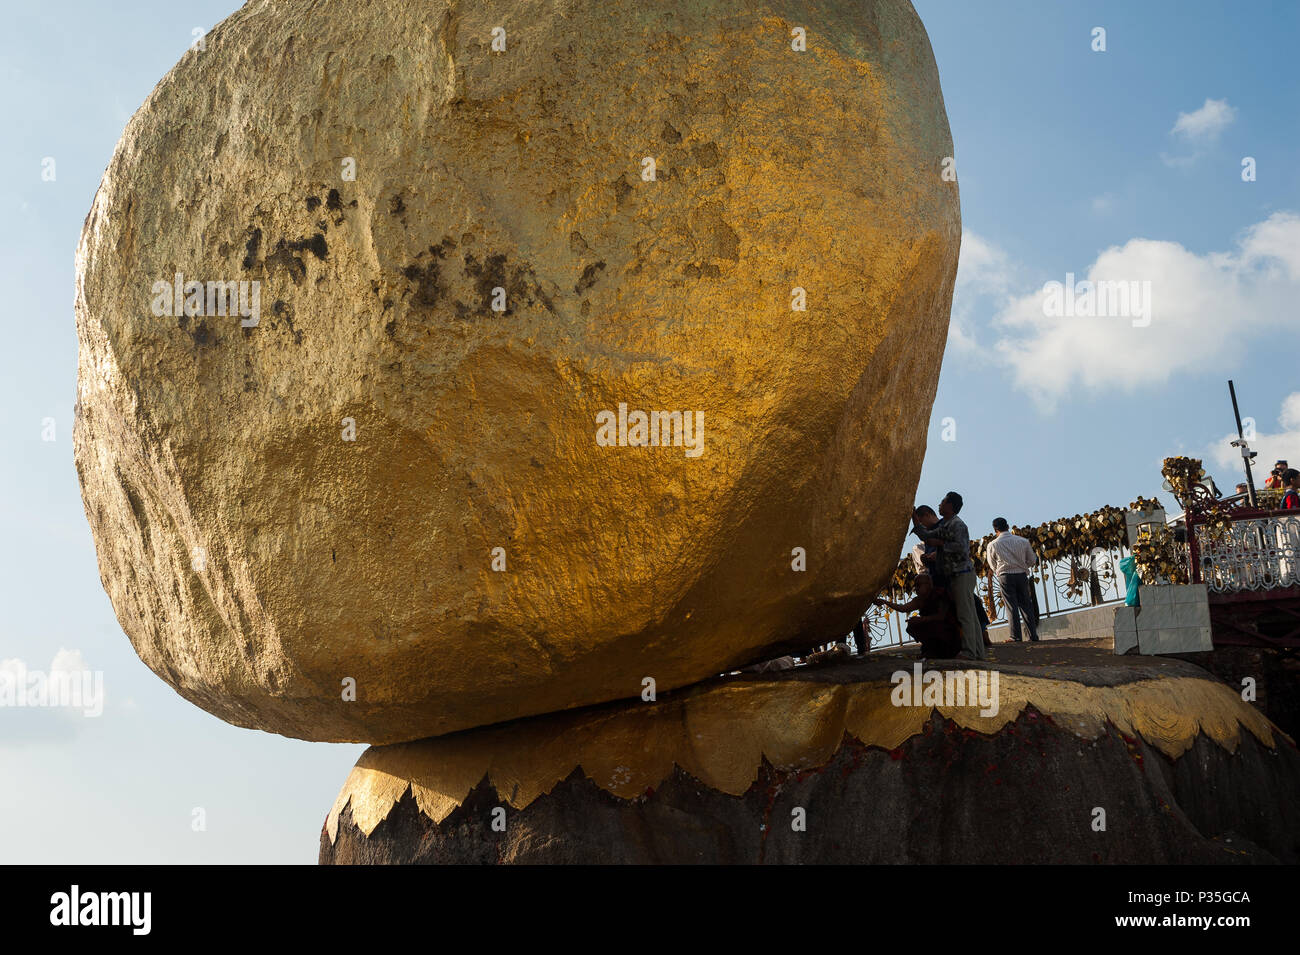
(1069, 160)
(1064, 153)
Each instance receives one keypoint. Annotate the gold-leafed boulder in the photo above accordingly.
(443, 364)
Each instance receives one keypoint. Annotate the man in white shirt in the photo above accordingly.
(1010, 556)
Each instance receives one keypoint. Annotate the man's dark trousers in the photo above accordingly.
(1019, 599)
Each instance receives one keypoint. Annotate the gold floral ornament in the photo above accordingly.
(1269, 498)
(1079, 580)
(1146, 504)
(1182, 474)
(1158, 556)
(1217, 525)
(1186, 478)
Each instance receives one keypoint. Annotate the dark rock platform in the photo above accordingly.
(1037, 789)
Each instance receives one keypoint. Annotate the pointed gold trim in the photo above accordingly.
(721, 734)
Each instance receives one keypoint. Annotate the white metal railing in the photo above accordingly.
(1251, 554)
(1060, 586)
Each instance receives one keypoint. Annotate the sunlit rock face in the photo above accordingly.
(409, 460)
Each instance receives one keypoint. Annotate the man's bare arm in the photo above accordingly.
(913, 604)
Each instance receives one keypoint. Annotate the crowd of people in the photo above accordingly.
(950, 619)
(1282, 478)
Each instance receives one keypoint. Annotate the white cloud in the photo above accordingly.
(982, 265)
(1272, 244)
(30, 713)
(1102, 205)
(984, 272)
(1199, 129)
(1284, 444)
(1289, 417)
(1206, 310)
(12, 668)
(1206, 123)
(69, 661)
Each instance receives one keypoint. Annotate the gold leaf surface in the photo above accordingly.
(720, 734)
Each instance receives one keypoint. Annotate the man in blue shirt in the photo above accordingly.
(954, 538)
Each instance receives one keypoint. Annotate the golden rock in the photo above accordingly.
(477, 243)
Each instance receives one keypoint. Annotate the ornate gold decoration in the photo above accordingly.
(1269, 498)
(721, 733)
(1183, 474)
(1157, 556)
(1145, 504)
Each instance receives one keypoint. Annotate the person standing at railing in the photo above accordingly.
(1291, 482)
(1277, 479)
(959, 571)
(1010, 556)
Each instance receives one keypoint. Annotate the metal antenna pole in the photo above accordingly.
(1250, 479)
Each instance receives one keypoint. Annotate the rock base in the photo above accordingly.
(1136, 763)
